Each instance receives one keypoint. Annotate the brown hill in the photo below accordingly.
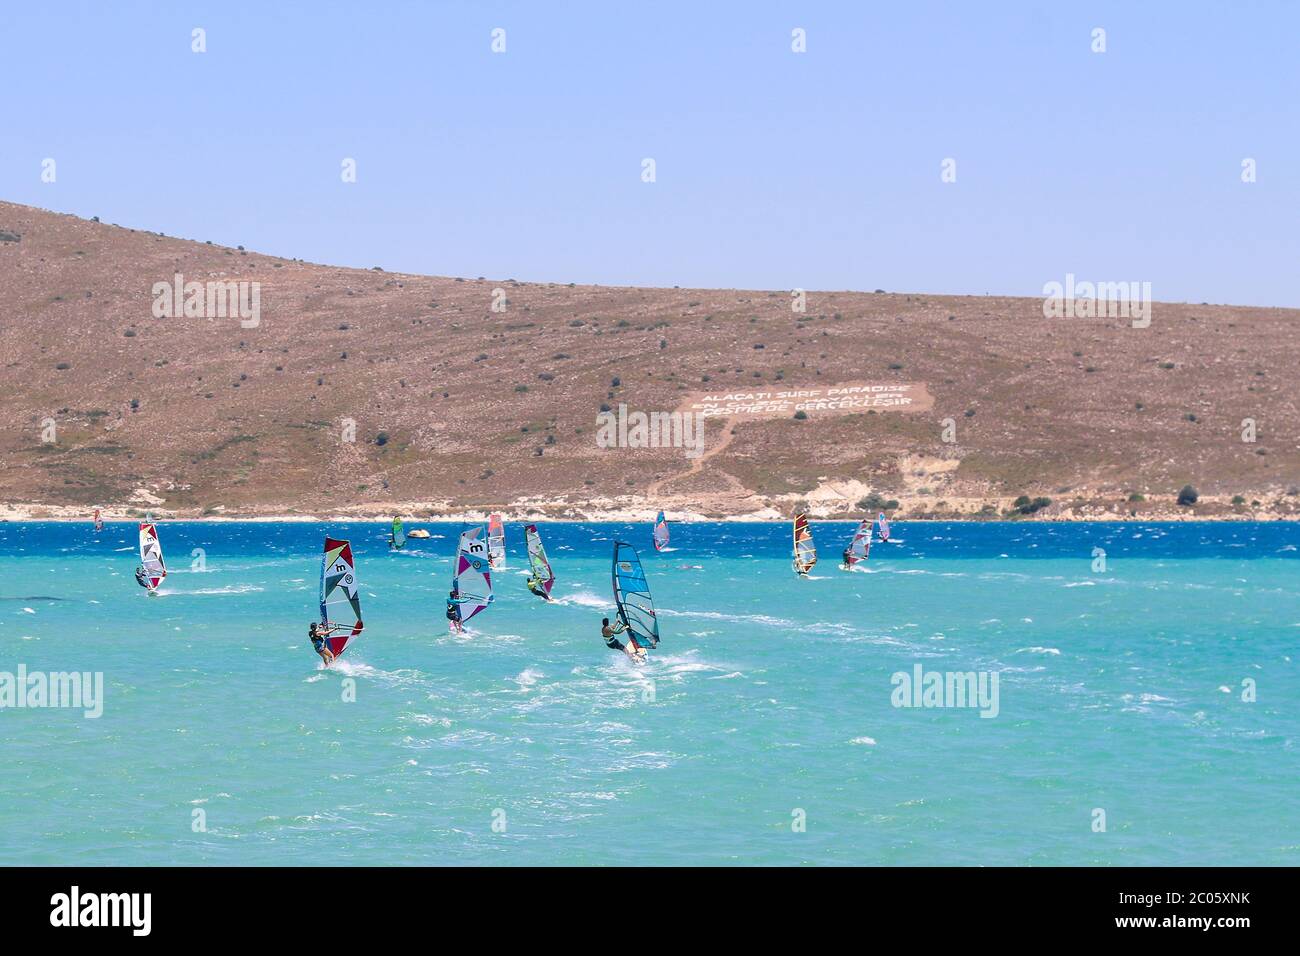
(458, 407)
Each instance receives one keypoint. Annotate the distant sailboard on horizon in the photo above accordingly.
(496, 542)
(805, 552)
(661, 532)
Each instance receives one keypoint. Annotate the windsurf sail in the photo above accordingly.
(661, 532)
(99, 522)
(496, 541)
(537, 559)
(883, 522)
(805, 553)
(473, 580)
(860, 546)
(399, 534)
(338, 587)
(151, 556)
(632, 596)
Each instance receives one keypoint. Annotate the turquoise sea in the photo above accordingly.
(762, 731)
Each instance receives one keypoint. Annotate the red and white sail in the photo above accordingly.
(860, 547)
(151, 556)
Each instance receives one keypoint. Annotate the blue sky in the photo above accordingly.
(774, 169)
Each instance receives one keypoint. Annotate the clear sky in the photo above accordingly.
(774, 169)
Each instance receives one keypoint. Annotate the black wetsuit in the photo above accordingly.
(453, 612)
(612, 642)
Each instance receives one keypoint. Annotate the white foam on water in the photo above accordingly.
(1038, 650)
(864, 741)
(527, 678)
(585, 599)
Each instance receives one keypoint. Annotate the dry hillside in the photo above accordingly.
(458, 407)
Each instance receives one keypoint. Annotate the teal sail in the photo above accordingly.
(632, 595)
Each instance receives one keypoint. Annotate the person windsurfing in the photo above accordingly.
(535, 585)
(848, 558)
(141, 577)
(317, 633)
(609, 634)
(453, 611)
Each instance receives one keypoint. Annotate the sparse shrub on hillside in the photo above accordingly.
(1187, 496)
(1026, 506)
(876, 502)
(615, 382)
(576, 323)
(129, 333)
(1135, 497)
(604, 406)
(545, 376)
(800, 415)
(1238, 500)
(895, 366)
(381, 439)
(521, 388)
(63, 366)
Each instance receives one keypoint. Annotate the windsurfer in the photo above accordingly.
(848, 558)
(535, 585)
(608, 632)
(317, 632)
(141, 578)
(453, 610)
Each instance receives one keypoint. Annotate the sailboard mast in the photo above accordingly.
(339, 589)
(805, 553)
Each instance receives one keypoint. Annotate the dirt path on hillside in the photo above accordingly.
(728, 430)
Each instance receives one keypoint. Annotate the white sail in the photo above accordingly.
(496, 543)
(473, 580)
